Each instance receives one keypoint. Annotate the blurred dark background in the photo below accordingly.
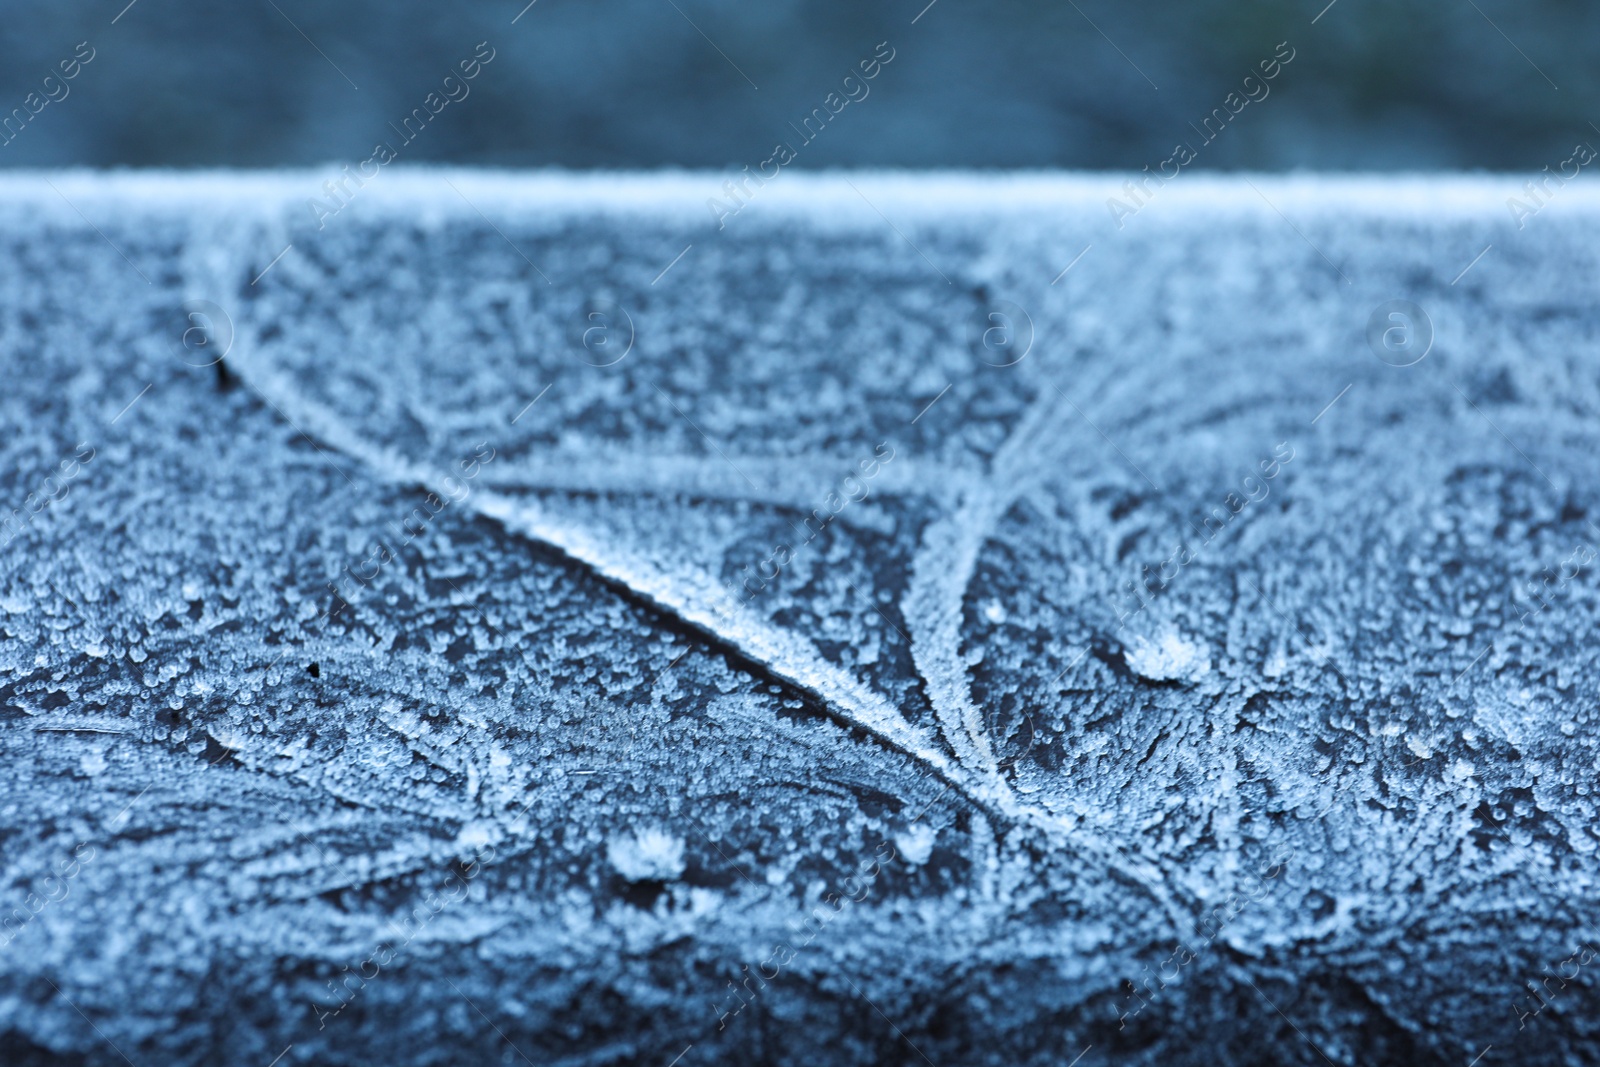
(1375, 84)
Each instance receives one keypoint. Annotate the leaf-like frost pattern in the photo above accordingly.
(688, 587)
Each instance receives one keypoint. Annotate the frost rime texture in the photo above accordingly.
(551, 667)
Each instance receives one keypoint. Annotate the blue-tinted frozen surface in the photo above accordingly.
(789, 681)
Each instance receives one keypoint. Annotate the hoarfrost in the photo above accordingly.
(646, 855)
(1167, 657)
(537, 695)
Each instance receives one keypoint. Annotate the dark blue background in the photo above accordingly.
(1387, 84)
